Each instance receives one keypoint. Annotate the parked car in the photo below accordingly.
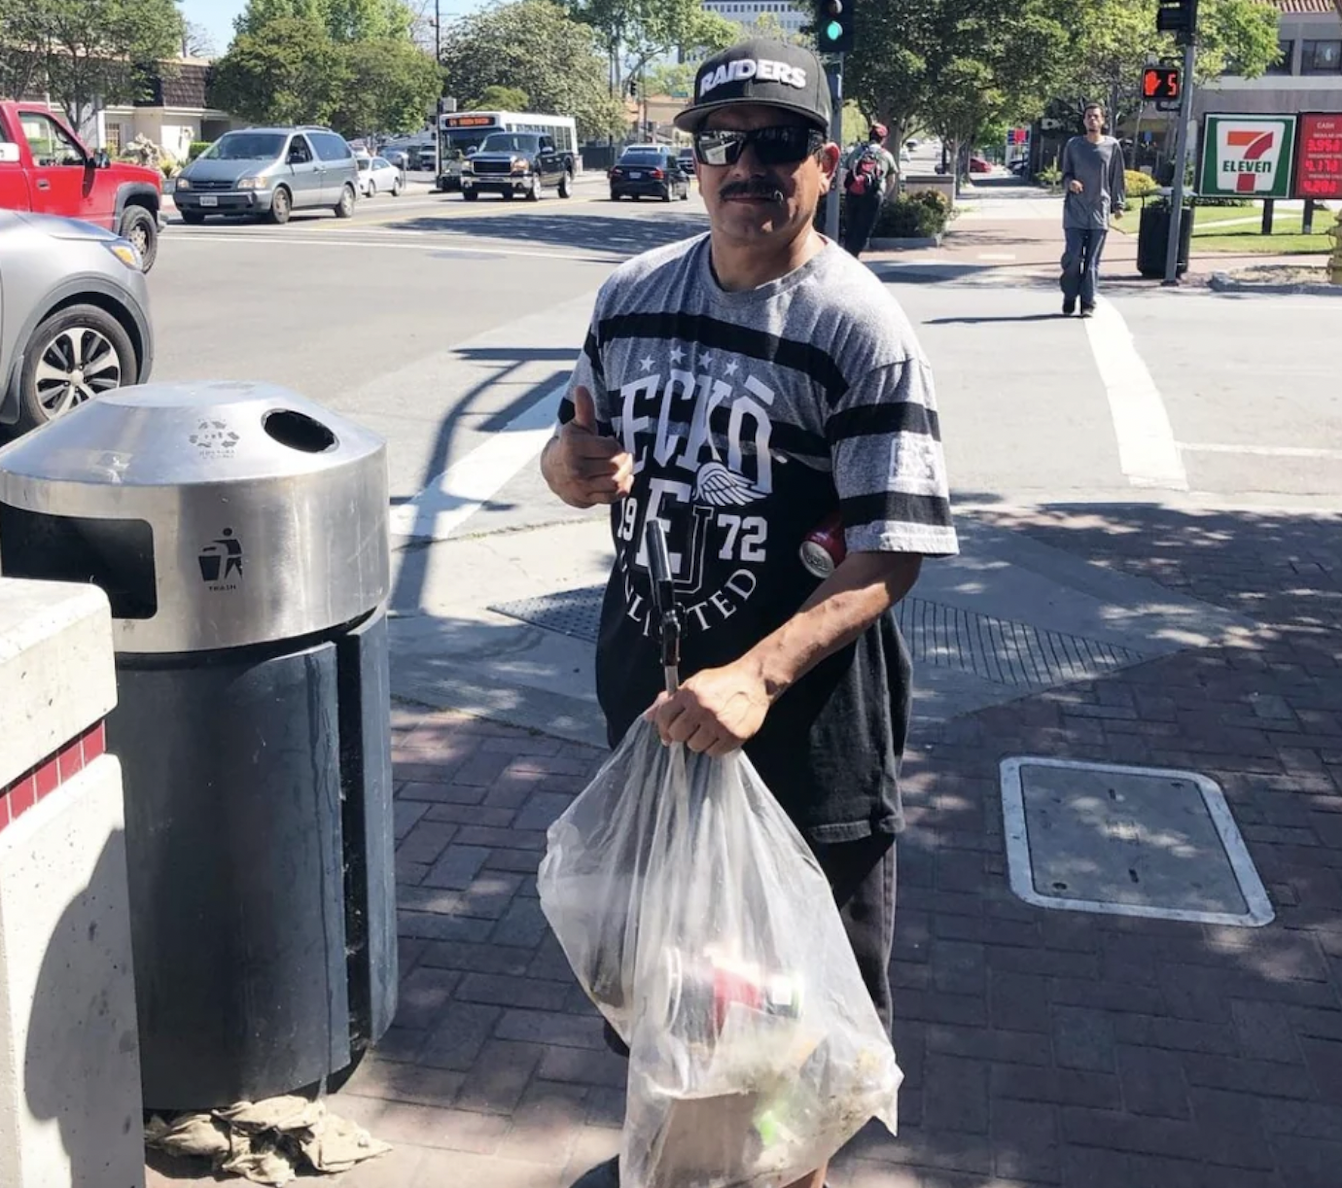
(648, 173)
(269, 173)
(377, 175)
(512, 163)
(425, 158)
(397, 154)
(979, 165)
(686, 158)
(74, 316)
(45, 168)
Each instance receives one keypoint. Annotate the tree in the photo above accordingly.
(288, 72)
(497, 98)
(85, 52)
(669, 78)
(1116, 38)
(533, 44)
(344, 20)
(389, 85)
(635, 32)
(196, 41)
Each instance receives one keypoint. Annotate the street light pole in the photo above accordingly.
(437, 31)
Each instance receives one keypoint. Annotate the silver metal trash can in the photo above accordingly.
(240, 533)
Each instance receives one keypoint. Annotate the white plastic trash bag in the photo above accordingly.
(699, 922)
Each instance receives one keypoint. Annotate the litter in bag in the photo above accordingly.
(700, 924)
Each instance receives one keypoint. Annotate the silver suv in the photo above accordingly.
(269, 172)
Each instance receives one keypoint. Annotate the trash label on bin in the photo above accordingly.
(220, 561)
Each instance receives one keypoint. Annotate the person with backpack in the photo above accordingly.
(869, 180)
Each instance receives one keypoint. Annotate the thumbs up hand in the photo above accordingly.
(582, 467)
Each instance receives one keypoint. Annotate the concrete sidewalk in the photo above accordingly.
(1014, 236)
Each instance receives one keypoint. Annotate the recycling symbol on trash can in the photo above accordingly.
(214, 439)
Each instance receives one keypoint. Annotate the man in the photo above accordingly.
(1094, 189)
(741, 387)
(871, 176)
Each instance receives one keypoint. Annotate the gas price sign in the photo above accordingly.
(1318, 156)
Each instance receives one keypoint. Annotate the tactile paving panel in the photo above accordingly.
(998, 650)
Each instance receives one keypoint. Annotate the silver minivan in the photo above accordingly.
(269, 172)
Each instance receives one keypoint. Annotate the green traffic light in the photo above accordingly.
(833, 31)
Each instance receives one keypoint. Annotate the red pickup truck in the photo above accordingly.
(45, 168)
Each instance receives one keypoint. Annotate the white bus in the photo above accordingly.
(460, 133)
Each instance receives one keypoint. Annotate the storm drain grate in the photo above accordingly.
(570, 612)
(1130, 841)
(1002, 651)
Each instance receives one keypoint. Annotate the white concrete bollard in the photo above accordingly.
(70, 1114)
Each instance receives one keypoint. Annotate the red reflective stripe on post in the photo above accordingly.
(43, 779)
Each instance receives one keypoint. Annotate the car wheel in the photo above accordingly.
(192, 218)
(614, 197)
(280, 206)
(345, 207)
(396, 188)
(507, 195)
(566, 185)
(470, 195)
(666, 193)
(75, 355)
(141, 228)
(636, 197)
(534, 194)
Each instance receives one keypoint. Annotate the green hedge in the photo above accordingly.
(197, 147)
(1139, 184)
(920, 214)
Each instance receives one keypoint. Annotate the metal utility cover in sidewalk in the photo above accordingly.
(1130, 841)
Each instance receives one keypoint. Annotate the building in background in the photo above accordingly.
(746, 12)
(173, 114)
(1308, 77)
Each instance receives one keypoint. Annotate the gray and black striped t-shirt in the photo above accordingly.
(751, 417)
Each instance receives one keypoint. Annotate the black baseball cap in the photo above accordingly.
(760, 70)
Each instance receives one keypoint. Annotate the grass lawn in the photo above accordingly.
(1220, 229)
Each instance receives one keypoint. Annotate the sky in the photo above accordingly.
(217, 15)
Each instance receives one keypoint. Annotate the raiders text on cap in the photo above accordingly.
(744, 68)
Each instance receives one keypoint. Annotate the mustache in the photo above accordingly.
(753, 187)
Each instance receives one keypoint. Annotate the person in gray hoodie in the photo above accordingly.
(1094, 189)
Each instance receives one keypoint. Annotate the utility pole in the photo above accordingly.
(1179, 17)
(438, 31)
(836, 135)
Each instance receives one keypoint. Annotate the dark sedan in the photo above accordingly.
(652, 173)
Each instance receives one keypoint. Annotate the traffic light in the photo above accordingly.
(633, 88)
(834, 25)
(1179, 17)
(1161, 82)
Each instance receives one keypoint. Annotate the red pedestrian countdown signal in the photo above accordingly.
(1160, 82)
(1318, 156)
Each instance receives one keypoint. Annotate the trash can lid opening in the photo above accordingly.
(298, 431)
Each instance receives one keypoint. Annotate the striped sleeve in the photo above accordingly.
(889, 468)
(587, 373)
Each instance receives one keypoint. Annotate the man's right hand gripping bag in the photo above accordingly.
(698, 921)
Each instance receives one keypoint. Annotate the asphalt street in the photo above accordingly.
(443, 325)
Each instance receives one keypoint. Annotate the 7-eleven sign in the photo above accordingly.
(1247, 156)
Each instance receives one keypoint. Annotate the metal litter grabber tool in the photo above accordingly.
(669, 621)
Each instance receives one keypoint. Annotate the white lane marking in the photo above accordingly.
(1001, 256)
(465, 486)
(1147, 452)
(1262, 451)
(610, 256)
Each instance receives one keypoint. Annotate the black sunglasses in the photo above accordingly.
(782, 144)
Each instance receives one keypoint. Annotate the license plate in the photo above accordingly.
(634, 174)
(208, 200)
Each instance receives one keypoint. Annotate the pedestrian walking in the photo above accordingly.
(870, 176)
(764, 397)
(1094, 190)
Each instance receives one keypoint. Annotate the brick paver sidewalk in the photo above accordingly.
(1040, 1048)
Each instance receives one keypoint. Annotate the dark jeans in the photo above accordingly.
(862, 876)
(1081, 262)
(860, 214)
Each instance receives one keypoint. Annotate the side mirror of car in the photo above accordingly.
(295, 157)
